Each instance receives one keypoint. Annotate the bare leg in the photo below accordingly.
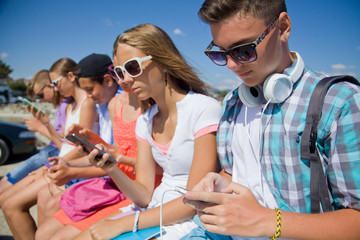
(20, 198)
(48, 202)
(13, 189)
(4, 184)
(84, 235)
(48, 228)
(54, 230)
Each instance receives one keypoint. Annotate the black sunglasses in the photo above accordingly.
(40, 94)
(244, 53)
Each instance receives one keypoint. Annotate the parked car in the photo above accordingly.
(15, 139)
(7, 95)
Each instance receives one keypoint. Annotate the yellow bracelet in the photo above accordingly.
(278, 224)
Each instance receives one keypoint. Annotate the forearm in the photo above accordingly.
(173, 212)
(87, 172)
(73, 154)
(79, 162)
(127, 160)
(132, 189)
(54, 135)
(341, 224)
(44, 131)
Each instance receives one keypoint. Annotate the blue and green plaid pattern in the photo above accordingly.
(338, 142)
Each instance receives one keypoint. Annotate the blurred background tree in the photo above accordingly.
(19, 86)
(5, 70)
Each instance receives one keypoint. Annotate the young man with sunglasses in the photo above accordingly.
(260, 131)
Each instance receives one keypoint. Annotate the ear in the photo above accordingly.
(108, 81)
(285, 26)
(71, 76)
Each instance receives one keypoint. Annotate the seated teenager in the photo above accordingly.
(17, 200)
(124, 109)
(39, 88)
(177, 132)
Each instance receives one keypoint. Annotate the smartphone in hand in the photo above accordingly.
(27, 102)
(87, 146)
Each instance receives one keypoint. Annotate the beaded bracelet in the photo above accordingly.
(278, 224)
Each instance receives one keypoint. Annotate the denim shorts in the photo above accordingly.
(31, 164)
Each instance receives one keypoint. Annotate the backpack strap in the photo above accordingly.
(318, 180)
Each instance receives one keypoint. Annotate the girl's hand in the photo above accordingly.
(33, 124)
(44, 118)
(102, 161)
(105, 229)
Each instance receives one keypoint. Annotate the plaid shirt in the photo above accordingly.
(338, 142)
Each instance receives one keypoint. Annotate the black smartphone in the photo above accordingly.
(88, 147)
(27, 102)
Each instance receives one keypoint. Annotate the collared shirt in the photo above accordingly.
(338, 142)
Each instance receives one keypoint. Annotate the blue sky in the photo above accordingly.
(34, 34)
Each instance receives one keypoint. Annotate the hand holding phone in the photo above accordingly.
(87, 146)
(27, 102)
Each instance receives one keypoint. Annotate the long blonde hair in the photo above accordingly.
(154, 41)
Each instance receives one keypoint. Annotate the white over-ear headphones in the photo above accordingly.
(277, 87)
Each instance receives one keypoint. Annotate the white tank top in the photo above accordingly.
(71, 118)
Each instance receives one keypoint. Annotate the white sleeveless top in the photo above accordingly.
(71, 118)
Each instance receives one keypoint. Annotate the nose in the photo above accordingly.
(89, 95)
(231, 63)
(128, 79)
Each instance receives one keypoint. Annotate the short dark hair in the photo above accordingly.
(215, 11)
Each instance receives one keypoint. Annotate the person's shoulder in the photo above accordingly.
(111, 104)
(344, 91)
(149, 113)
(88, 103)
(201, 99)
(202, 103)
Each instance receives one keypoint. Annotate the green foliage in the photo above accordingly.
(5, 70)
(221, 93)
(18, 86)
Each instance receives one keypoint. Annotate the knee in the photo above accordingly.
(7, 204)
(58, 236)
(43, 233)
(47, 231)
(9, 207)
